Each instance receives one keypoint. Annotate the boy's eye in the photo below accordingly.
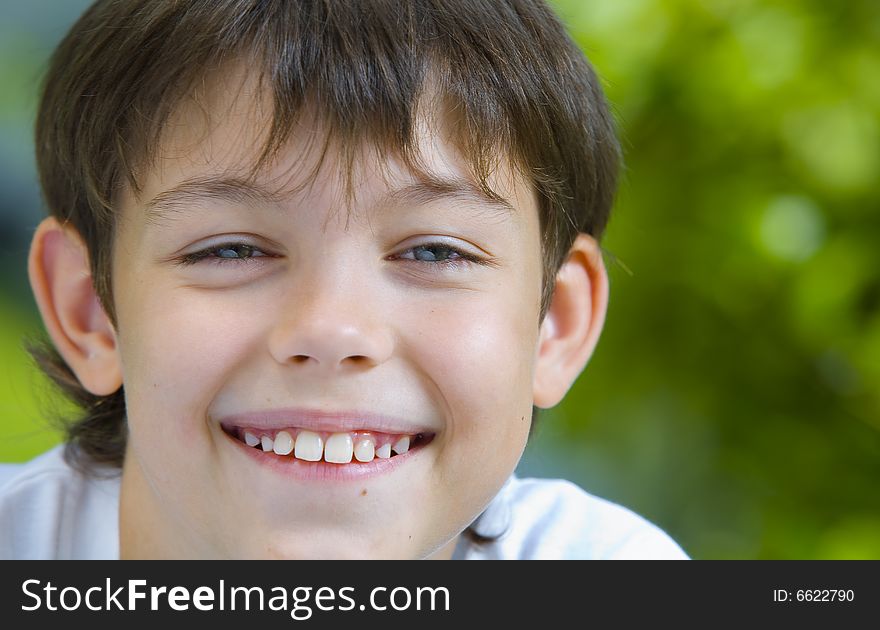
(236, 251)
(435, 254)
(226, 252)
(439, 254)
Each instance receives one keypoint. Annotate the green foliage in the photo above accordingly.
(734, 396)
(27, 403)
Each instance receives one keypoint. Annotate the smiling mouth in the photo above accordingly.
(349, 447)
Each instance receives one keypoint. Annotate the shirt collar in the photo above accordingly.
(493, 522)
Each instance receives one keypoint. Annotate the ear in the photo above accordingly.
(74, 318)
(573, 322)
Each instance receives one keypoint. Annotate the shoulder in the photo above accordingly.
(555, 519)
(49, 510)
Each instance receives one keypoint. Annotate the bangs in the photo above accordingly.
(367, 74)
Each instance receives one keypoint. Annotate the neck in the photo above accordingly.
(142, 532)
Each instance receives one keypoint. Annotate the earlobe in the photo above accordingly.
(72, 313)
(573, 323)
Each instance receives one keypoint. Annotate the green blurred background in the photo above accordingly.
(734, 396)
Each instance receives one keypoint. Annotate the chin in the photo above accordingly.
(324, 548)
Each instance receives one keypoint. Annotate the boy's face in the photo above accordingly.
(298, 313)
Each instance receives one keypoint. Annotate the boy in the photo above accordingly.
(309, 268)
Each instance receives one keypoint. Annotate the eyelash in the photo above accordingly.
(462, 258)
(210, 254)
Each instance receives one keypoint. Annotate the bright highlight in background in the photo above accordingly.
(792, 228)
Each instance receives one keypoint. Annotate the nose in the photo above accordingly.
(330, 326)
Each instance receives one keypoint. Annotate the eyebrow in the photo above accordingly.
(426, 191)
(182, 197)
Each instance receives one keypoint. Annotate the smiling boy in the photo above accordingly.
(309, 267)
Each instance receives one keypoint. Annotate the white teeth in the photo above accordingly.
(365, 449)
(283, 443)
(250, 439)
(384, 451)
(309, 446)
(338, 448)
(402, 445)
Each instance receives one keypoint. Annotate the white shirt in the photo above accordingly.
(544, 519)
(48, 510)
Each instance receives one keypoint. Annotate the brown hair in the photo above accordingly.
(520, 86)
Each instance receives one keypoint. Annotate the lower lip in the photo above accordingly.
(324, 471)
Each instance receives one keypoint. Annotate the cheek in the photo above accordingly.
(176, 361)
(478, 353)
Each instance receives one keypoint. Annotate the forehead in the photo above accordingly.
(213, 142)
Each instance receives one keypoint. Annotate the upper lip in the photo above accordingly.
(328, 421)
